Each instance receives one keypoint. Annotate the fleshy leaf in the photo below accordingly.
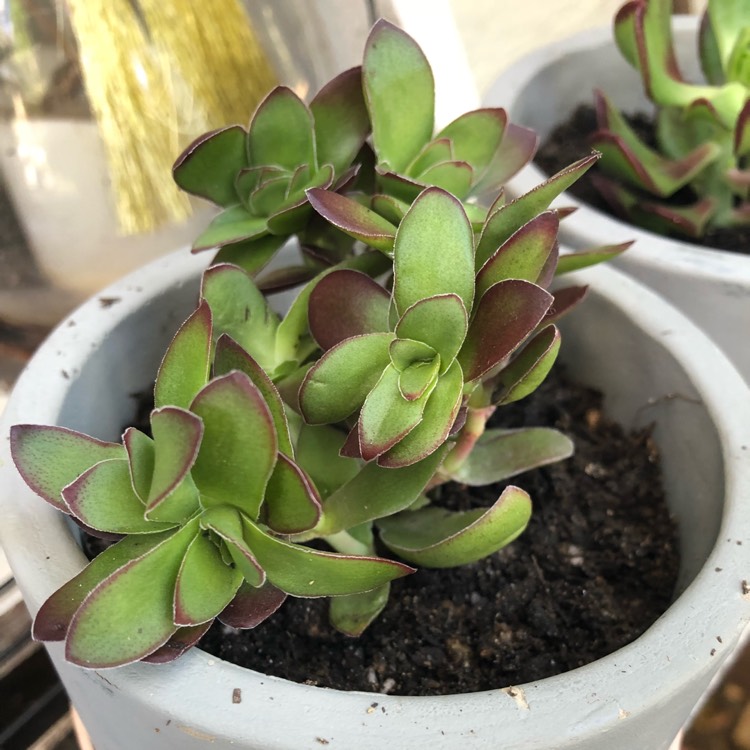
(576, 261)
(241, 311)
(231, 356)
(564, 300)
(353, 613)
(252, 605)
(509, 218)
(318, 452)
(375, 492)
(386, 417)
(475, 136)
(182, 640)
(501, 454)
(399, 92)
(177, 438)
(281, 131)
(305, 572)
(252, 255)
(104, 499)
(416, 378)
(389, 208)
(354, 219)
(441, 322)
(129, 614)
(50, 458)
(54, 616)
(454, 176)
(507, 313)
(341, 121)
(437, 420)
(233, 224)
(437, 538)
(529, 368)
(141, 456)
(237, 425)
(347, 303)
(434, 251)
(205, 585)
(185, 368)
(517, 149)
(208, 166)
(340, 380)
(435, 152)
(406, 352)
(523, 255)
(292, 501)
(226, 523)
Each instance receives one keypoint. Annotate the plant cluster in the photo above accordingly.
(695, 177)
(425, 311)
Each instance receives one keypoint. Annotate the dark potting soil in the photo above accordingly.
(596, 566)
(568, 142)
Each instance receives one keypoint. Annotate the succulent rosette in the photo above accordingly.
(702, 130)
(259, 176)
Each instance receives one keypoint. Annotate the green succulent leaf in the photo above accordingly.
(390, 208)
(292, 501)
(434, 251)
(500, 454)
(141, 458)
(104, 499)
(386, 417)
(529, 368)
(517, 148)
(173, 496)
(185, 368)
(354, 219)
(305, 572)
(226, 523)
(318, 452)
(435, 152)
(268, 196)
(253, 255)
(341, 121)
(252, 605)
(205, 585)
(441, 322)
(237, 425)
(728, 19)
(241, 311)
(509, 218)
(231, 356)
(130, 613)
(347, 303)
(439, 415)
(53, 618)
(375, 492)
(209, 165)
(50, 458)
(405, 352)
(576, 261)
(233, 224)
(438, 538)
(338, 383)
(742, 132)
(523, 255)
(456, 177)
(507, 313)
(476, 136)
(399, 92)
(417, 377)
(281, 131)
(353, 613)
(564, 300)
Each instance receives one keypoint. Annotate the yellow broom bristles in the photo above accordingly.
(155, 82)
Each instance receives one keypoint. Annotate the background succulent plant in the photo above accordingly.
(702, 130)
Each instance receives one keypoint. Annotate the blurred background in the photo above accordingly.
(98, 97)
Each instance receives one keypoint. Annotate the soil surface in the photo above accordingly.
(596, 566)
(569, 142)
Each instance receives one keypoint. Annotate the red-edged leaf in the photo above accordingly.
(564, 300)
(252, 605)
(344, 304)
(181, 641)
(50, 458)
(292, 502)
(507, 313)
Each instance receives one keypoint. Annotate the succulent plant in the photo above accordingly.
(697, 177)
(339, 420)
(259, 176)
